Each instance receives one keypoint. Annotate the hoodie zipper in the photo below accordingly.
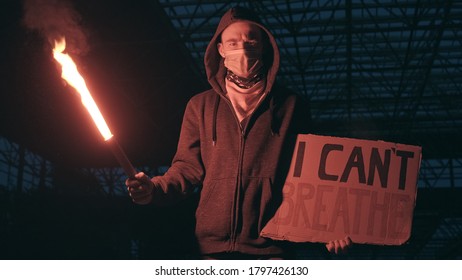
(237, 191)
(235, 204)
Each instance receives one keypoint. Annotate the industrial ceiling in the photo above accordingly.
(382, 70)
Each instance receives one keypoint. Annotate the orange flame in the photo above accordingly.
(73, 78)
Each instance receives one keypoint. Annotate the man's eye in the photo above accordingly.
(232, 44)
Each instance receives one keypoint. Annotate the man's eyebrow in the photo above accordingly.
(231, 40)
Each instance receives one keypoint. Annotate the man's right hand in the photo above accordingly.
(140, 188)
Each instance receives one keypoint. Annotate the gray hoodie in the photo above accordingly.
(240, 171)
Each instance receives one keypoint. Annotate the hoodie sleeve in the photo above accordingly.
(187, 170)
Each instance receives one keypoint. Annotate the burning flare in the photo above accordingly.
(73, 78)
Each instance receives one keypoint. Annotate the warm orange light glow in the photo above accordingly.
(73, 78)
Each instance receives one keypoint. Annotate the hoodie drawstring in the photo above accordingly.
(274, 126)
(214, 120)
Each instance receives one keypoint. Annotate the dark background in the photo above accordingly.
(385, 71)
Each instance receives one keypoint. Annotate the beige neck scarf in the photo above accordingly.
(245, 100)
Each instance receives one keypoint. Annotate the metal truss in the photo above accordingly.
(22, 170)
(112, 179)
(441, 173)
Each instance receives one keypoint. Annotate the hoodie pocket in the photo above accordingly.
(214, 212)
(258, 205)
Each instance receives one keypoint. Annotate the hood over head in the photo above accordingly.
(214, 63)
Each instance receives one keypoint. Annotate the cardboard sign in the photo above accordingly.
(339, 187)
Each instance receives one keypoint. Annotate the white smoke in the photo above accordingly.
(54, 19)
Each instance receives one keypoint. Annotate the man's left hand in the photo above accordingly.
(339, 246)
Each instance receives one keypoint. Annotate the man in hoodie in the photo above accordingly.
(236, 144)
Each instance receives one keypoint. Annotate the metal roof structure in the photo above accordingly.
(387, 70)
(382, 70)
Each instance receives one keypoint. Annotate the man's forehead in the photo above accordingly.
(241, 27)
